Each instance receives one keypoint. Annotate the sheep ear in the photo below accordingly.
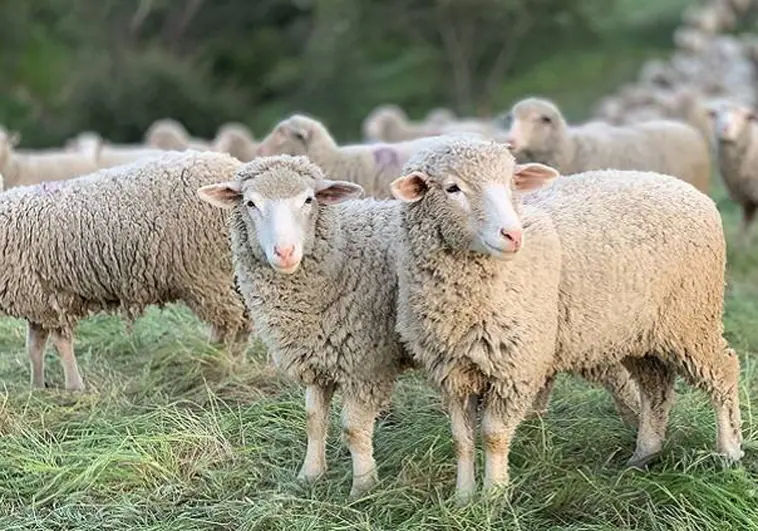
(221, 195)
(333, 192)
(533, 175)
(411, 187)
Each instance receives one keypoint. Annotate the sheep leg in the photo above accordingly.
(748, 214)
(463, 424)
(618, 382)
(655, 380)
(36, 340)
(542, 400)
(317, 401)
(719, 378)
(357, 432)
(64, 344)
(500, 418)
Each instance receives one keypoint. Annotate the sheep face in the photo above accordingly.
(294, 136)
(469, 191)
(279, 201)
(730, 121)
(535, 127)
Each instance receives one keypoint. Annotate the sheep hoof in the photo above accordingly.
(464, 497)
(309, 476)
(362, 486)
(642, 462)
(733, 456)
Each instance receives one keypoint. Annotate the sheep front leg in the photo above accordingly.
(500, 418)
(357, 432)
(463, 425)
(36, 340)
(748, 214)
(317, 401)
(64, 344)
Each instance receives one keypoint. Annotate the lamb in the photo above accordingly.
(389, 123)
(373, 166)
(237, 140)
(109, 155)
(539, 133)
(737, 150)
(171, 135)
(524, 289)
(34, 167)
(117, 240)
(318, 279)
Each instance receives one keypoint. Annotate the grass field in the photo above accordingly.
(172, 435)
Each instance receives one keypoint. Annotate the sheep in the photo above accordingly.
(318, 279)
(737, 150)
(169, 134)
(109, 155)
(373, 166)
(691, 41)
(116, 240)
(237, 140)
(539, 133)
(389, 123)
(499, 291)
(439, 116)
(32, 167)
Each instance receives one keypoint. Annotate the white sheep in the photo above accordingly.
(32, 167)
(736, 136)
(108, 155)
(169, 134)
(496, 295)
(117, 240)
(319, 282)
(236, 139)
(373, 166)
(539, 133)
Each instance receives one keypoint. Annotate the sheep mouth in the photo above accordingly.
(500, 252)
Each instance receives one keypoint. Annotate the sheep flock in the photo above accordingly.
(487, 254)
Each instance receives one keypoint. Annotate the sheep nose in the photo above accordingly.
(514, 236)
(285, 253)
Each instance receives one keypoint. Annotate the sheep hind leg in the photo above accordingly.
(358, 420)
(317, 401)
(463, 426)
(64, 344)
(617, 380)
(655, 380)
(748, 215)
(720, 380)
(36, 340)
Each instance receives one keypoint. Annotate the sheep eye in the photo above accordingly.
(452, 189)
(545, 119)
(250, 204)
(308, 200)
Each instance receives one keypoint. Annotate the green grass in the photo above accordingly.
(174, 435)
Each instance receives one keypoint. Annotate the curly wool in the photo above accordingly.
(332, 321)
(119, 239)
(662, 146)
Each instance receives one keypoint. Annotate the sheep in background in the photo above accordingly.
(169, 134)
(389, 123)
(373, 166)
(539, 133)
(33, 167)
(236, 139)
(109, 155)
(736, 136)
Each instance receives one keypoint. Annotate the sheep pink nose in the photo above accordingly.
(511, 142)
(514, 236)
(285, 253)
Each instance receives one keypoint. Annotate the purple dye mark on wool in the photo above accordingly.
(48, 187)
(385, 156)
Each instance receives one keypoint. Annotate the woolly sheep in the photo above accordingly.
(34, 167)
(116, 240)
(737, 148)
(319, 282)
(691, 41)
(539, 133)
(597, 269)
(237, 140)
(439, 116)
(171, 135)
(109, 155)
(389, 123)
(373, 166)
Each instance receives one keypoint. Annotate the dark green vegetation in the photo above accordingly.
(173, 435)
